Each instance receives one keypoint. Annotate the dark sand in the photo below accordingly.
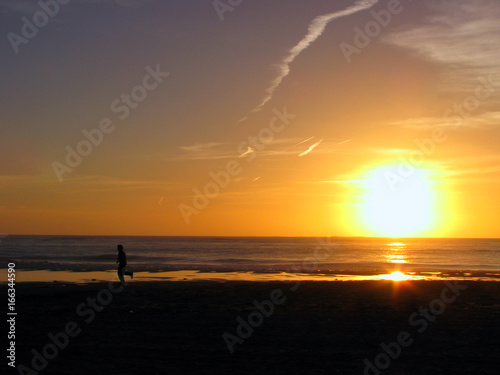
(321, 328)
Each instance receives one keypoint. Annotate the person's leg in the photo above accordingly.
(128, 273)
(120, 274)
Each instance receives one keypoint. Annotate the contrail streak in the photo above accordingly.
(304, 141)
(316, 28)
(347, 140)
(310, 148)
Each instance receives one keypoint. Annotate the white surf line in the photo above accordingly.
(316, 28)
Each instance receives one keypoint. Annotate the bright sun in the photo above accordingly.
(395, 276)
(396, 204)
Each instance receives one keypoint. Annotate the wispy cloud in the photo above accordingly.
(487, 120)
(316, 28)
(462, 35)
(346, 141)
(201, 147)
(304, 141)
(206, 151)
(473, 169)
(248, 151)
(312, 147)
(279, 147)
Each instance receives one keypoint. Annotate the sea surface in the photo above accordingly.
(326, 256)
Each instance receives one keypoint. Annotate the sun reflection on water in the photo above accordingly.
(397, 244)
(396, 253)
(395, 276)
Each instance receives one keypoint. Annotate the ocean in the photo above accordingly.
(328, 257)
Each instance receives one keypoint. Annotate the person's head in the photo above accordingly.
(120, 248)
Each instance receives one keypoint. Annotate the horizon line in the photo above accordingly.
(246, 236)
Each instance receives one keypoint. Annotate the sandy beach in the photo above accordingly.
(270, 327)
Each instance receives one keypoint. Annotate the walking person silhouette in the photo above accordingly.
(122, 263)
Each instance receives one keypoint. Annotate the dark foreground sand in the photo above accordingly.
(321, 328)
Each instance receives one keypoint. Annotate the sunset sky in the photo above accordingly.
(341, 118)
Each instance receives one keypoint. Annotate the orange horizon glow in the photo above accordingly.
(336, 164)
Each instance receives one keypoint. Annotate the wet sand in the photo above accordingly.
(310, 328)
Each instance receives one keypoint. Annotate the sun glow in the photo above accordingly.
(395, 276)
(398, 204)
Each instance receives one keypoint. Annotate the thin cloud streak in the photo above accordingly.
(487, 120)
(346, 141)
(248, 151)
(201, 147)
(316, 28)
(279, 147)
(312, 147)
(304, 141)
